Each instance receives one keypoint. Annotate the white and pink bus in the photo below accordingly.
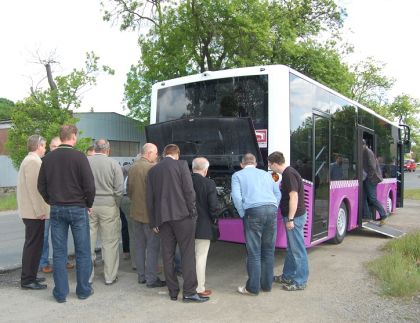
(224, 114)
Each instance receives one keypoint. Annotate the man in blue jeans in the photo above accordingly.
(66, 182)
(44, 263)
(292, 206)
(256, 197)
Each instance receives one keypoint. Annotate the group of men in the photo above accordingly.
(168, 209)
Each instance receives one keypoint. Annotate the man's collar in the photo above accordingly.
(145, 159)
(249, 166)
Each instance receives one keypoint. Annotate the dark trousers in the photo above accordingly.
(180, 232)
(32, 249)
(124, 232)
(370, 200)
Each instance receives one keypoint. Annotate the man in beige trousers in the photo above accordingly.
(33, 211)
(105, 215)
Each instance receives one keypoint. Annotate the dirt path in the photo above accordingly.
(339, 290)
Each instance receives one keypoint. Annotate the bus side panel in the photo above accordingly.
(387, 188)
(281, 241)
(309, 201)
(231, 230)
(343, 191)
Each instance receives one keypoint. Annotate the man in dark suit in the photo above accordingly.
(207, 209)
(172, 212)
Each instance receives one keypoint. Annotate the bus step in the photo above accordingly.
(383, 229)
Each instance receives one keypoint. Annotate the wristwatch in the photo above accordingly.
(290, 220)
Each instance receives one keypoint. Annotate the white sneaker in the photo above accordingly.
(242, 290)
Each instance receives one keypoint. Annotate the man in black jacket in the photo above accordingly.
(172, 214)
(207, 209)
(66, 182)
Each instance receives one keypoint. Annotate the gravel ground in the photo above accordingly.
(339, 290)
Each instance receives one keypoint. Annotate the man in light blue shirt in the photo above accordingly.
(256, 197)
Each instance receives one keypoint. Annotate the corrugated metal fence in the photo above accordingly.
(8, 174)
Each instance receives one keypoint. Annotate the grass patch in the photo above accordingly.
(398, 270)
(8, 202)
(412, 194)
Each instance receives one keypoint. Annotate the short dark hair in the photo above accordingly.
(171, 149)
(276, 157)
(66, 131)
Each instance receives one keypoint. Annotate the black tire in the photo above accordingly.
(341, 224)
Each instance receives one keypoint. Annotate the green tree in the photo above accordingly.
(192, 36)
(45, 111)
(370, 85)
(6, 108)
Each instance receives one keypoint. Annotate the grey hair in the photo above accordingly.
(101, 145)
(200, 163)
(147, 147)
(249, 159)
(34, 141)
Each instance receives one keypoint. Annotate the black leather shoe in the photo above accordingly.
(142, 281)
(195, 299)
(40, 279)
(34, 286)
(174, 298)
(157, 283)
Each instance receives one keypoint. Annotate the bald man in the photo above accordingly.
(105, 215)
(146, 241)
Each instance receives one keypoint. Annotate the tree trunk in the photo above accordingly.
(51, 82)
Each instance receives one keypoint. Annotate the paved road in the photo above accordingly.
(412, 180)
(12, 237)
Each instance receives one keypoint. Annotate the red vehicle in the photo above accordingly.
(409, 165)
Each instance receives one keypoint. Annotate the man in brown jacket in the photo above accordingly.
(33, 211)
(147, 242)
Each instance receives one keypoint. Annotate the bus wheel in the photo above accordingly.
(341, 225)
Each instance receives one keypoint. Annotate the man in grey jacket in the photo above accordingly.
(371, 178)
(105, 211)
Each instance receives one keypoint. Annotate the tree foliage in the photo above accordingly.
(6, 108)
(370, 85)
(192, 36)
(185, 37)
(46, 110)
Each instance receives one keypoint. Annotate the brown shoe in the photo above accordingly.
(206, 293)
(69, 265)
(47, 269)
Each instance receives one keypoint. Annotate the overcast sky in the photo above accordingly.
(385, 29)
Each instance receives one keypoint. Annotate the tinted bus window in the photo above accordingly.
(245, 96)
